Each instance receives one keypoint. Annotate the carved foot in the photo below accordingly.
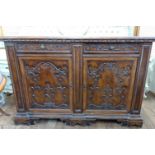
(131, 122)
(25, 121)
(123, 122)
(73, 122)
(138, 122)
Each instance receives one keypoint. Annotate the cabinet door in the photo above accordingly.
(47, 82)
(108, 83)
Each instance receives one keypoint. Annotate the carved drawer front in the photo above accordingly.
(108, 83)
(43, 48)
(47, 82)
(112, 48)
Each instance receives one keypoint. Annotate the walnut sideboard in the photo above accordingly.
(78, 80)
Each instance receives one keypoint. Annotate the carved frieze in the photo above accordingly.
(111, 47)
(43, 46)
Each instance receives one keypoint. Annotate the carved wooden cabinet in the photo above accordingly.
(79, 80)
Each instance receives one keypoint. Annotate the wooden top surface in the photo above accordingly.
(52, 39)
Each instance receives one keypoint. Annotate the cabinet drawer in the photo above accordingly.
(112, 48)
(43, 48)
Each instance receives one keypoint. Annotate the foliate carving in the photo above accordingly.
(43, 91)
(49, 94)
(34, 72)
(111, 47)
(107, 106)
(113, 87)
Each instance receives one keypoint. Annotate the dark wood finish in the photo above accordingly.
(108, 83)
(16, 77)
(47, 81)
(77, 68)
(79, 80)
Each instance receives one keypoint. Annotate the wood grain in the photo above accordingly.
(79, 81)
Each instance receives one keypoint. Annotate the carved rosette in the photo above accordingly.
(108, 84)
(48, 85)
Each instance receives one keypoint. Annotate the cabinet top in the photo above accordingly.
(77, 40)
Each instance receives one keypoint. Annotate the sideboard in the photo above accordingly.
(77, 80)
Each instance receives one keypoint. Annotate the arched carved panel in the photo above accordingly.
(108, 83)
(48, 83)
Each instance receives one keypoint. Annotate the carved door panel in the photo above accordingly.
(47, 82)
(108, 83)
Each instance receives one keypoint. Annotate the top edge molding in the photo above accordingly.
(77, 40)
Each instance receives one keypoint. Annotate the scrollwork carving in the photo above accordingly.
(111, 47)
(34, 72)
(108, 91)
(43, 46)
(43, 93)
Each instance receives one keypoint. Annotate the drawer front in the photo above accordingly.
(108, 84)
(112, 48)
(43, 48)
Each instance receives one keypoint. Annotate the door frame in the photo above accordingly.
(107, 58)
(60, 57)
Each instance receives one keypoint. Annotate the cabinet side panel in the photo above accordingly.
(15, 75)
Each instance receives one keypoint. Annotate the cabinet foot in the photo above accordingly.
(73, 122)
(138, 123)
(29, 119)
(25, 120)
(131, 122)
